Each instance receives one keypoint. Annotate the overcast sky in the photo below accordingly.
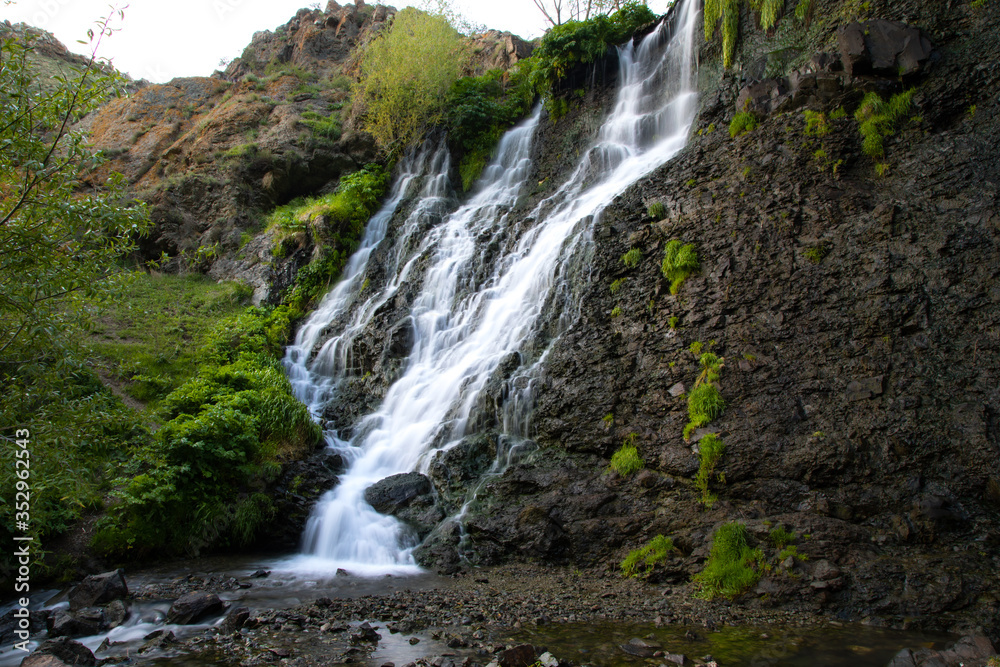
(162, 39)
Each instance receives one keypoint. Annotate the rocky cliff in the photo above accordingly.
(854, 301)
(858, 315)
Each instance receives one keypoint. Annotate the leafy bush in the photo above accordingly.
(656, 210)
(327, 127)
(705, 402)
(780, 537)
(878, 119)
(732, 566)
(617, 285)
(816, 125)
(225, 433)
(710, 450)
(406, 73)
(632, 258)
(679, 262)
(481, 109)
(641, 562)
(743, 122)
(626, 460)
(581, 42)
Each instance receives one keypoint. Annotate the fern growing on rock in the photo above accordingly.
(679, 262)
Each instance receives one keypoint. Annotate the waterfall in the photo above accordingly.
(476, 307)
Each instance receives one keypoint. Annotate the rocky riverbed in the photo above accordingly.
(511, 616)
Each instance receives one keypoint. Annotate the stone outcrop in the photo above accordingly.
(409, 497)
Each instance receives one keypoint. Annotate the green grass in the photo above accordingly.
(743, 122)
(705, 402)
(710, 450)
(617, 285)
(679, 262)
(877, 119)
(626, 460)
(656, 210)
(640, 562)
(781, 538)
(148, 339)
(732, 567)
(632, 258)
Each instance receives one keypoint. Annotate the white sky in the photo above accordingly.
(163, 39)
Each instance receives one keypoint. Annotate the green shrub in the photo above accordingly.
(705, 402)
(679, 262)
(616, 311)
(480, 109)
(780, 537)
(743, 122)
(626, 460)
(225, 432)
(580, 42)
(710, 450)
(695, 348)
(815, 254)
(406, 73)
(632, 258)
(816, 125)
(673, 321)
(878, 118)
(617, 285)
(656, 210)
(640, 562)
(327, 127)
(732, 566)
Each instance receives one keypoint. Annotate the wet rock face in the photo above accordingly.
(856, 316)
(408, 497)
(885, 48)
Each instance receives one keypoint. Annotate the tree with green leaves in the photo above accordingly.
(56, 240)
(405, 77)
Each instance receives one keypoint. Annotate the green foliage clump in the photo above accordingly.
(769, 10)
(580, 42)
(733, 567)
(406, 73)
(616, 311)
(625, 460)
(632, 258)
(617, 285)
(640, 562)
(710, 450)
(791, 551)
(878, 119)
(679, 262)
(743, 122)
(803, 10)
(780, 537)
(816, 125)
(673, 321)
(656, 210)
(816, 254)
(199, 484)
(327, 127)
(481, 109)
(705, 402)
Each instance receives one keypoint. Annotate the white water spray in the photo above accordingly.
(468, 318)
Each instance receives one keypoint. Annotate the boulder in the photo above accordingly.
(65, 624)
(193, 607)
(58, 652)
(98, 589)
(115, 614)
(884, 48)
(519, 656)
(397, 492)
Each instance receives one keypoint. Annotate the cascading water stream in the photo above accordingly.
(468, 318)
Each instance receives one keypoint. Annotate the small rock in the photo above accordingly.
(115, 614)
(261, 574)
(235, 620)
(414, 640)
